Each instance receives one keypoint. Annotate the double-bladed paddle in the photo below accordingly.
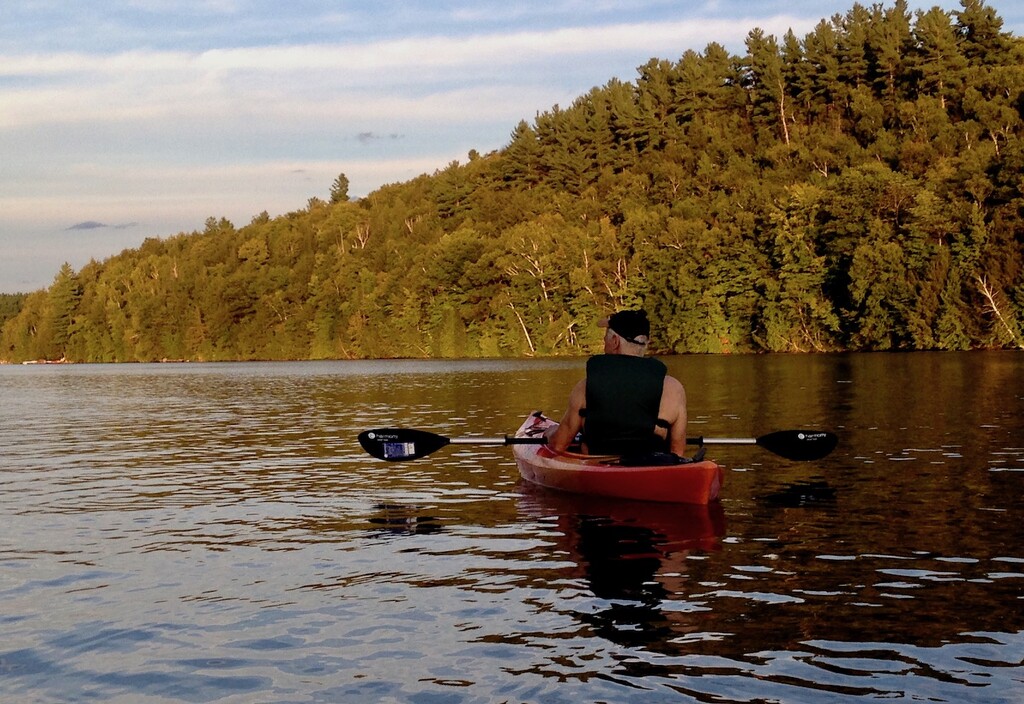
(398, 444)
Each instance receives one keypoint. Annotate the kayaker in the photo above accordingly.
(627, 404)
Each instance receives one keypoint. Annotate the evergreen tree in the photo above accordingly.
(63, 299)
(339, 189)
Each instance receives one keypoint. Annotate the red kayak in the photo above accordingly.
(692, 483)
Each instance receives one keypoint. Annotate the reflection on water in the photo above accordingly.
(399, 519)
(214, 533)
(634, 557)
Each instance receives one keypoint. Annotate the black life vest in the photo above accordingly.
(623, 400)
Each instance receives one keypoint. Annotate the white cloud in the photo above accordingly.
(412, 53)
(393, 77)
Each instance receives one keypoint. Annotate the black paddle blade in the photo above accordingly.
(800, 445)
(398, 444)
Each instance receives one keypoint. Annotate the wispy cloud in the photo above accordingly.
(94, 225)
(87, 225)
(369, 137)
(416, 53)
(433, 78)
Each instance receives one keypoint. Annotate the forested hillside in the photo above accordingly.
(856, 188)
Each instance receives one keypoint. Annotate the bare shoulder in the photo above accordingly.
(673, 402)
(673, 386)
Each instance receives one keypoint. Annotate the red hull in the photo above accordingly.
(695, 483)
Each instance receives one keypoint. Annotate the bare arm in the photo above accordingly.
(572, 421)
(673, 410)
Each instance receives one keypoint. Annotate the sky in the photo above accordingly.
(122, 120)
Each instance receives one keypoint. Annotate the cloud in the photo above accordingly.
(360, 61)
(446, 80)
(443, 80)
(368, 137)
(94, 225)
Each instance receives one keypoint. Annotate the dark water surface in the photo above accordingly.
(213, 533)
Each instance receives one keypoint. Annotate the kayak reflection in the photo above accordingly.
(634, 556)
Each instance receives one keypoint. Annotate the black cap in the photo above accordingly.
(631, 325)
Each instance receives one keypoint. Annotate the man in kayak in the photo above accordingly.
(627, 404)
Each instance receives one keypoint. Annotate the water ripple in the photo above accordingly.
(213, 533)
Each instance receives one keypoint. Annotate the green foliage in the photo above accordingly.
(856, 188)
(10, 305)
(339, 189)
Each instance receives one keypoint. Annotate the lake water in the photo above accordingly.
(214, 533)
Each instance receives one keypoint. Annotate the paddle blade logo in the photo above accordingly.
(398, 450)
(396, 444)
(799, 445)
(388, 446)
(814, 445)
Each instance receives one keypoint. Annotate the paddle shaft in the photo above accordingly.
(505, 440)
(721, 441)
(509, 440)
